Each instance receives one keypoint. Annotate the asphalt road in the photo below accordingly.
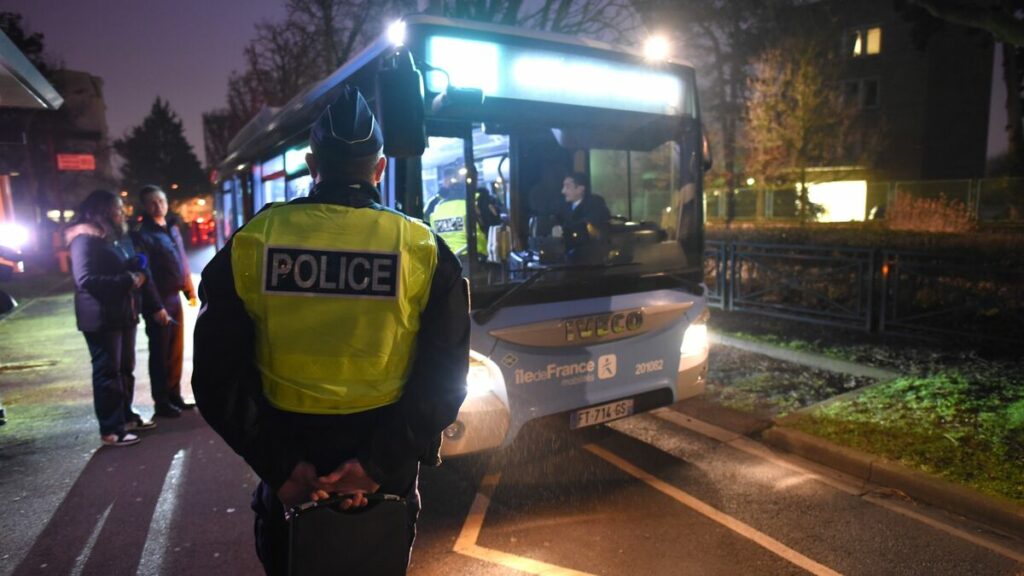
(655, 494)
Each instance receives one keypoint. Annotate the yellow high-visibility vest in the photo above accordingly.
(335, 294)
(449, 221)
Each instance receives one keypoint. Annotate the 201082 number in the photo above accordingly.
(648, 367)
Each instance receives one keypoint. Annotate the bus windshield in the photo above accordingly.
(633, 216)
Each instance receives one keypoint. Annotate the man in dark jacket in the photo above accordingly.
(171, 276)
(332, 346)
(584, 220)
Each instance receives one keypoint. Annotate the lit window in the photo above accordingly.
(856, 43)
(863, 42)
(874, 45)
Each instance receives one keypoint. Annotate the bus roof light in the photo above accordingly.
(657, 49)
(396, 33)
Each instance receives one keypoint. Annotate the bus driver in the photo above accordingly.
(583, 221)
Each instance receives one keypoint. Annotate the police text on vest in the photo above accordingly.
(331, 272)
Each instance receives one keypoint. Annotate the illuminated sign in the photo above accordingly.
(76, 162)
(295, 159)
(547, 76)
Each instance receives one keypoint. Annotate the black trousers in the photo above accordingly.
(166, 351)
(271, 528)
(113, 380)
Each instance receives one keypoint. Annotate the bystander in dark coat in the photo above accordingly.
(111, 289)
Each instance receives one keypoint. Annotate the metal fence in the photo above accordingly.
(873, 290)
(989, 200)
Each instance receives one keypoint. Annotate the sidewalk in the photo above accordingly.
(1000, 513)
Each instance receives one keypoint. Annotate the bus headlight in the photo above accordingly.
(483, 377)
(695, 340)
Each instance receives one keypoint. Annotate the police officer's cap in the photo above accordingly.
(346, 129)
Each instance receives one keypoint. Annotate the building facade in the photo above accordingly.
(923, 85)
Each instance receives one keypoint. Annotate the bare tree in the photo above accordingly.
(720, 37)
(339, 28)
(1004, 19)
(797, 117)
(610, 20)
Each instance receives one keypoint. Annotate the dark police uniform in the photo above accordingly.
(332, 328)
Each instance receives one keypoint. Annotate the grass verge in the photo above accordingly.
(965, 427)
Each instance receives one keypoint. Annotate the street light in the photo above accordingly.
(201, 201)
(174, 186)
(657, 48)
(751, 181)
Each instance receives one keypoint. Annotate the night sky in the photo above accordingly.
(181, 50)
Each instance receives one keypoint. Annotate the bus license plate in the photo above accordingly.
(598, 414)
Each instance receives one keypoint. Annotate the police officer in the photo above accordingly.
(448, 218)
(332, 346)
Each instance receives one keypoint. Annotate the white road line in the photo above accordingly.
(729, 522)
(847, 484)
(83, 556)
(153, 553)
(466, 542)
(856, 488)
(939, 525)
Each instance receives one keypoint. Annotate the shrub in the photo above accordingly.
(940, 214)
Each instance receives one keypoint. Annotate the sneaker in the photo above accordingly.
(167, 411)
(181, 404)
(139, 425)
(122, 439)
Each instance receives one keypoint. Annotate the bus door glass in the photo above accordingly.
(445, 176)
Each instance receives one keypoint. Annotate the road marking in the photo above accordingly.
(466, 544)
(762, 539)
(83, 557)
(846, 484)
(940, 525)
(742, 443)
(153, 553)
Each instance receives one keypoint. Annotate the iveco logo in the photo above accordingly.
(599, 326)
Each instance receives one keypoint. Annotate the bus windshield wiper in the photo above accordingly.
(485, 315)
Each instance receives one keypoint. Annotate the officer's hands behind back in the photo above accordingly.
(349, 478)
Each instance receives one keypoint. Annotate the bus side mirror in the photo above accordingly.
(400, 101)
(705, 151)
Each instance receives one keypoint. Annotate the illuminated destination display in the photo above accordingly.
(295, 159)
(548, 76)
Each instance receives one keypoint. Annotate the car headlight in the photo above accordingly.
(483, 377)
(13, 236)
(695, 339)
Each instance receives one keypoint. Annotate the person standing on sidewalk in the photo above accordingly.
(110, 288)
(341, 379)
(171, 276)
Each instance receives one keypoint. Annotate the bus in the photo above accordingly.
(507, 113)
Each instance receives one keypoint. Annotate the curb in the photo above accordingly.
(804, 358)
(999, 513)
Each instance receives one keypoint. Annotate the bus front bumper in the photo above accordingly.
(692, 377)
(482, 424)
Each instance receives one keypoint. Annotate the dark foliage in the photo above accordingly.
(156, 152)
